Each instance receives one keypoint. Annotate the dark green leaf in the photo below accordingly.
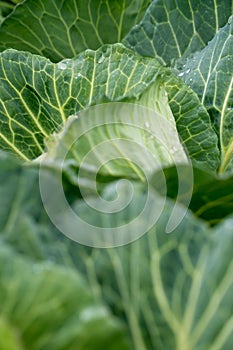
(192, 122)
(38, 96)
(61, 29)
(209, 73)
(212, 197)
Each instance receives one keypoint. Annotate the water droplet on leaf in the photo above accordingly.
(62, 65)
(181, 74)
(101, 59)
(77, 76)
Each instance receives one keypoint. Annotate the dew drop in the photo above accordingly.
(77, 76)
(147, 125)
(101, 59)
(188, 70)
(62, 65)
(181, 74)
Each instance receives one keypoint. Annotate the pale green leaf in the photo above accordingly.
(192, 122)
(32, 293)
(119, 140)
(180, 295)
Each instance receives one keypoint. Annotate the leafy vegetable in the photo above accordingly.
(212, 197)
(32, 293)
(173, 29)
(180, 293)
(209, 74)
(58, 30)
(115, 130)
(110, 139)
(37, 96)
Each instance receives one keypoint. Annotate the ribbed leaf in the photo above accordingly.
(37, 95)
(118, 140)
(61, 29)
(193, 122)
(172, 29)
(180, 295)
(36, 304)
(210, 73)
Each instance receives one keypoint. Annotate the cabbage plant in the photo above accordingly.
(128, 107)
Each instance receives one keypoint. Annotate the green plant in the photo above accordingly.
(75, 78)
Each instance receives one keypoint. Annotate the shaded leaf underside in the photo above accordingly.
(212, 197)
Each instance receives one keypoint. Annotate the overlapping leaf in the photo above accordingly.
(174, 291)
(31, 293)
(180, 293)
(209, 73)
(61, 29)
(172, 29)
(37, 96)
(119, 140)
(191, 117)
(191, 121)
(179, 296)
(212, 197)
(22, 210)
